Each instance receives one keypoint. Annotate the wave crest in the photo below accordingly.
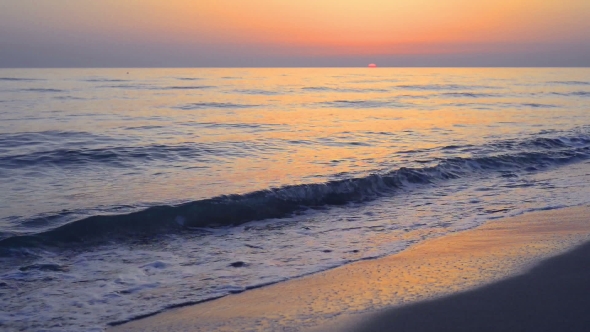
(511, 156)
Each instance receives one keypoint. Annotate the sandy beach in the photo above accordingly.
(524, 273)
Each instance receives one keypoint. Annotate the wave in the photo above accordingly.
(537, 105)
(580, 93)
(436, 87)
(43, 138)
(105, 80)
(468, 95)
(491, 106)
(69, 98)
(198, 106)
(542, 143)
(505, 157)
(257, 92)
(342, 90)
(573, 94)
(42, 90)
(360, 104)
(194, 87)
(156, 87)
(246, 126)
(130, 86)
(15, 79)
(120, 156)
(569, 82)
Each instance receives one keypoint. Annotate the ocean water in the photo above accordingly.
(125, 192)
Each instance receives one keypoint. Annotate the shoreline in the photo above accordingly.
(340, 298)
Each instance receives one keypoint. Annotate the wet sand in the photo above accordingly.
(436, 285)
(554, 296)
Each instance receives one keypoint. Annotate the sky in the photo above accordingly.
(294, 33)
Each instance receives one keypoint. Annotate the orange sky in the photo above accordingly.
(305, 27)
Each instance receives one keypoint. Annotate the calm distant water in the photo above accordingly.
(126, 192)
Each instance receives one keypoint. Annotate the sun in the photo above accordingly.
(372, 65)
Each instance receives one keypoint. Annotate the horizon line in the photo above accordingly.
(292, 67)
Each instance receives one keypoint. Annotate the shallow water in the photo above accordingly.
(148, 188)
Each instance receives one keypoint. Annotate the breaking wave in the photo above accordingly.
(505, 157)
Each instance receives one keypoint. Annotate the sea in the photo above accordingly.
(127, 192)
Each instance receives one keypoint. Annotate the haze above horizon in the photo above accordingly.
(290, 33)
